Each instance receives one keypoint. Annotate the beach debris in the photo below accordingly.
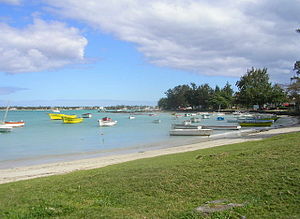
(216, 206)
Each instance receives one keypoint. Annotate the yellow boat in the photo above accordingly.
(57, 116)
(71, 120)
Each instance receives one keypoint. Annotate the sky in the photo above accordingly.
(112, 52)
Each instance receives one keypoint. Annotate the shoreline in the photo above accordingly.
(58, 168)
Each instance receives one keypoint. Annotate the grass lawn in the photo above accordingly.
(263, 175)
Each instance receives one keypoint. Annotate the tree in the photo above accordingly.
(222, 98)
(163, 103)
(192, 96)
(177, 97)
(294, 87)
(278, 95)
(254, 88)
(204, 94)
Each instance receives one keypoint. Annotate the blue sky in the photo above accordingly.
(92, 52)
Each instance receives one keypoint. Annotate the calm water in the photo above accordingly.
(43, 140)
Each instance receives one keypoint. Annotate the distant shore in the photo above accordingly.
(35, 171)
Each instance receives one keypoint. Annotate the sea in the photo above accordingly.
(43, 140)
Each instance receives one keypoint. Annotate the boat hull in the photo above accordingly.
(72, 120)
(191, 132)
(222, 127)
(87, 115)
(15, 124)
(183, 126)
(257, 123)
(106, 123)
(55, 116)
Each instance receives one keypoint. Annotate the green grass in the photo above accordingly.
(264, 175)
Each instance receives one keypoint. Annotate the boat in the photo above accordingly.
(5, 128)
(69, 116)
(178, 115)
(205, 116)
(14, 124)
(266, 117)
(182, 126)
(71, 120)
(57, 116)
(56, 110)
(107, 122)
(157, 121)
(191, 132)
(131, 117)
(220, 118)
(222, 127)
(86, 115)
(195, 120)
(187, 122)
(256, 123)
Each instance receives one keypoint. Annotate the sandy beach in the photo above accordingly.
(30, 172)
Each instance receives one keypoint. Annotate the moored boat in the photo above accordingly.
(57, 116)
(86, 115)
(185, 126)
(191, 132)
(195, 120)
(222, 127)
(71, 120)
(56, 110)
(205, 116)
(256, 123)
(6, 126)
(14, 124)
(107, 122)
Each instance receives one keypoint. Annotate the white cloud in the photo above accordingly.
(11, 2)
(222, 37)
(40, 46)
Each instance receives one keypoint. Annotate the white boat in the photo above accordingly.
(222, 127)
(107, 122)
(131, 117)
(205, 116)
(183, 126)
(56, 110)
(195, 120)
(15, 124)
(5, 128)
(86, 115)
(237, 113)
(187, 122)
(191, 132)
(157, 121)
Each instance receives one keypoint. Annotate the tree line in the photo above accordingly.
(294, 87)
(254, 88)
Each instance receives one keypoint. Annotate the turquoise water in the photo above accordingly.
(43, 140)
